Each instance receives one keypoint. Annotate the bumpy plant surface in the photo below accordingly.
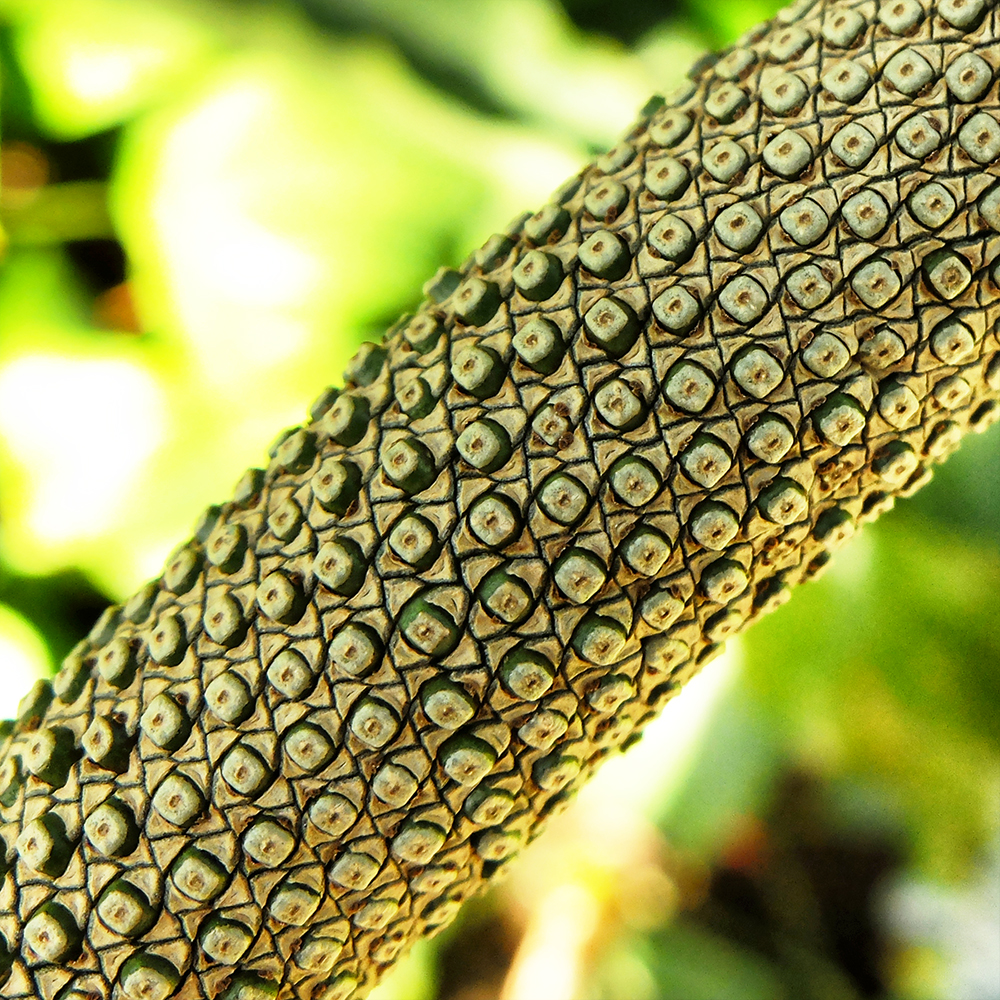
(620, 433)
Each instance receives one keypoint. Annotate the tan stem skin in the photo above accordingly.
(620, 434)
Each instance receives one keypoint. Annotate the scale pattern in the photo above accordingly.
(621, 432)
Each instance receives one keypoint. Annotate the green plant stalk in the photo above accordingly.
(619, 434)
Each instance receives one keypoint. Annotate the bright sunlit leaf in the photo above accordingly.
(23, 659)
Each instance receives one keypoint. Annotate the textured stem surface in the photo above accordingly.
(624, 430)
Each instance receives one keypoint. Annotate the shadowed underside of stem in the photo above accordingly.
(624, 430)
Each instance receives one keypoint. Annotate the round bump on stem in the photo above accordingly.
(477, 301)
(634, 481)
(787, 154)
(414, 541)
(309, 746)
(677, 310)
(713, 525)
(494, 520)
(770, 439)
(808, 287)
(744, 299)
(178, 800)
(415, 398)
(866, 213)
(826, 355)
(336, 485)
(117, 663)
(947, 274)
(107, 744)
(783, 93)
(783, 501)
(667, 178)
(563, 498)
(478, 371)
(847, 81)
(757, 372)
(268, 843)
(689, 387)
(199, 875)
(579, 575)
(223, 619)
(706, 460)
(618, 406)
(539, 345)
(900, 17)
(111, 829)
(548, 225)
(418, 843)
(281, 597)
(245, 771)
(466, 759)
(895, 463)
(898, 404)
(224, 941)
(145, 976)
(952, 341)
(738, 227)
(167, 641)
(50, 754)
(125, 909)
(980, 138)
(165, 723)
(876, 284)
(485, 445)
(488, 806)
(526, 673)
(181, 571)
(599, 639)
(554, 772)
(853, 145)
(672, 239)
(44, 846)
(543, 728)
(538, 275)
(356, 649)
(285, 519)
(670, 127)
(917, 137)
(394, 785)
(908, 71)
(347, 421)
(612, 325)
(724, 581)
(724, 161)
(52, 934)
(340, 566)
(805, 221)
(428, 628)
(446, 703)
(645, 551)
(839, 420)
(293, 904)
(226, 547)
(409, 465)
(611, 693)
(290, 674)
(373, 722)
(505, 597)
(333, 814)
(882, 349)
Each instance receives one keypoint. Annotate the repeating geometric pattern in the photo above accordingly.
(619, 434)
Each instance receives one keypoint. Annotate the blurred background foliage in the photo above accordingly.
(207, 206)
